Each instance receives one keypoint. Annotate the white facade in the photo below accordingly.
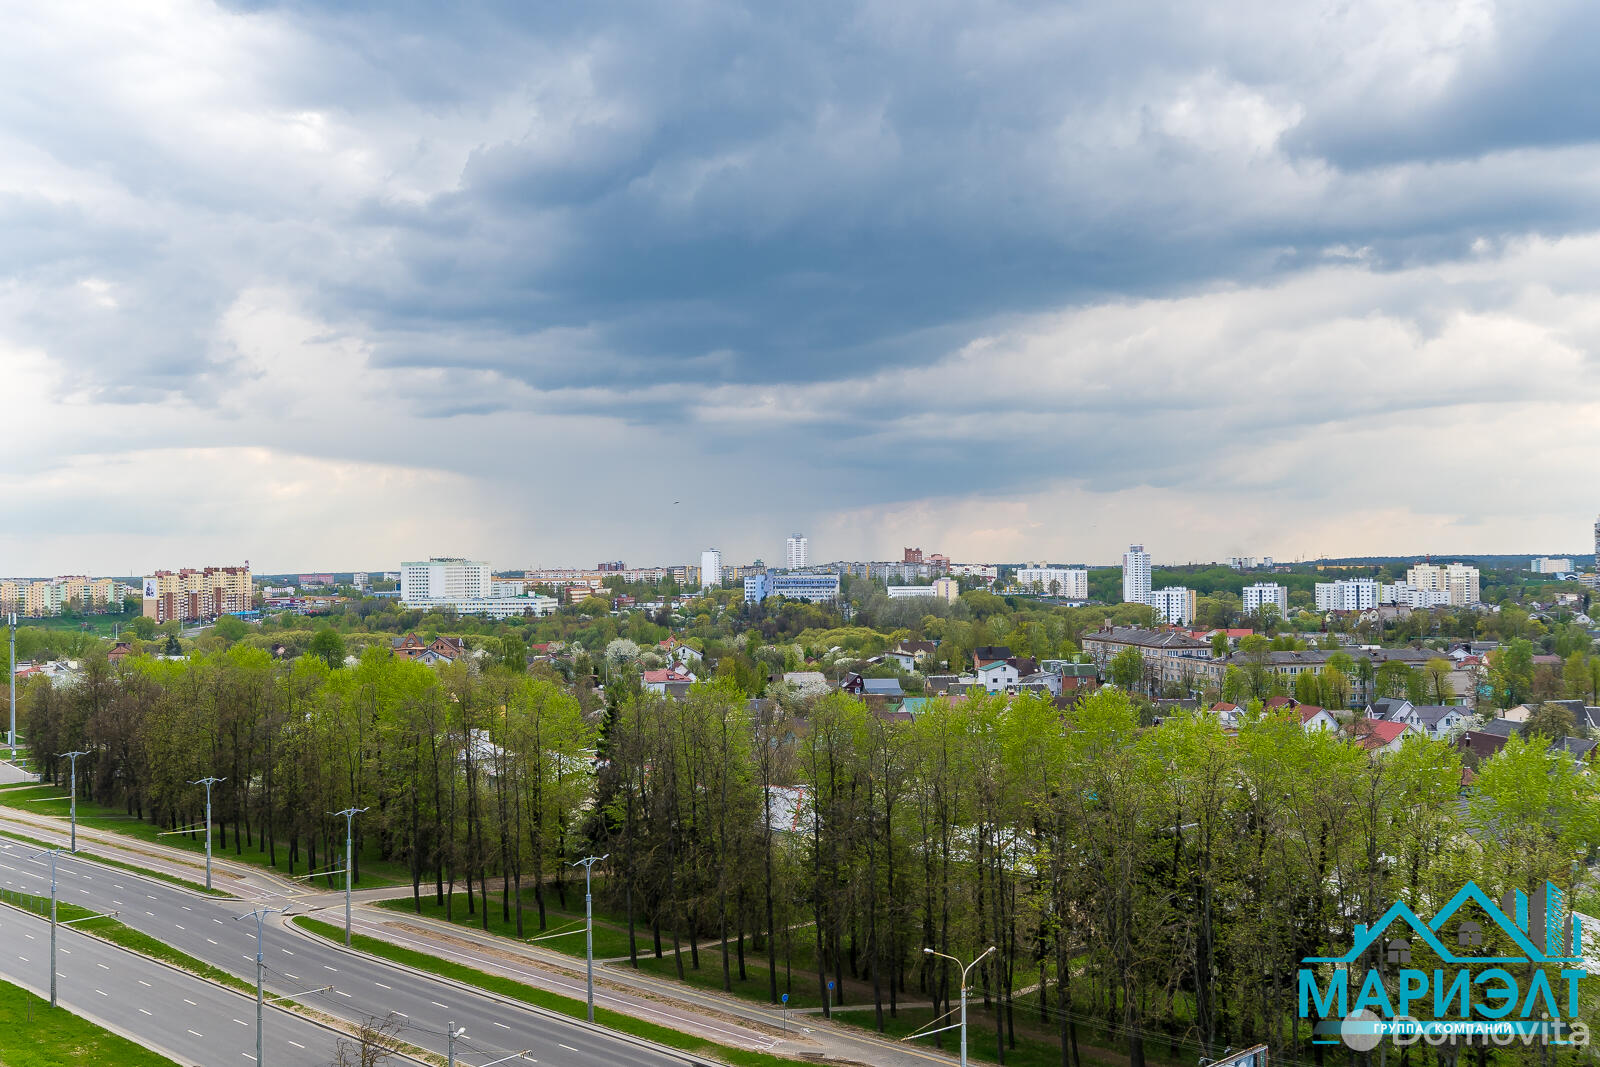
(710, 568)
(904, 592)
(1069, 582)
(1546, 565)
(507, 586)
(797, 553)
(1401, 594)
(1458, 580)
(499, 607)
(360, 579)
(1136, 575)
(1175, 604)
(1254, 597)
(1347, 594)
(443, 579)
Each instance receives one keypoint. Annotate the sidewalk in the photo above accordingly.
(727, 1020)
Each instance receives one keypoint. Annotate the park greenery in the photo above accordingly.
(1147, 888)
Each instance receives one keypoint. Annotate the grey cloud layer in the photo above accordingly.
(829, 235)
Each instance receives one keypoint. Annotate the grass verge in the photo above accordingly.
(541, 998)
(108, 928)
(609, 940)
(32, 1035)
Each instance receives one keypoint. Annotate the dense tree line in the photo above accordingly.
(1151, 888)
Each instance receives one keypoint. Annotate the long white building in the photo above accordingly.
(1347, 594)
(1136, 575)
(444, 578)
(1457, 580)
(1255, 597)
(1069, 582)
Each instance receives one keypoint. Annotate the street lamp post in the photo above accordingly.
(12, 736)
(587, 863)
(349, 818)
(965, 971)
(451, 1034)
(260, 916)
(53, 926)
(208, 783)
(73, 756)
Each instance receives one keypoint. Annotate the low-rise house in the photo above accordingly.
(1432, 720)
(1313, 718)
(1380, 735)
(1230, 715)
(659, 681)
(997, 676)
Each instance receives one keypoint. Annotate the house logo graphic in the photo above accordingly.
(1513, 975)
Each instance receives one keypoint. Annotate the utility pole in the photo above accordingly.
(587, 863)
(12, 736)
(260, 916)
(349, 819)
(53, 926)
(965, 971)
(73, 756)
(208, 783)
(451, 1034)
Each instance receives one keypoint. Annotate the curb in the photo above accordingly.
(583, 1024)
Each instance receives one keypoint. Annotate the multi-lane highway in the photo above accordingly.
(179, 1015)
(210, 930)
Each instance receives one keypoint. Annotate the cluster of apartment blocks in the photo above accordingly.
(37, 598)
(468, 587)
(194, 594)
(1427, 585)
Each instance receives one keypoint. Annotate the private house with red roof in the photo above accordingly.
(658, 681)
(1378, 735)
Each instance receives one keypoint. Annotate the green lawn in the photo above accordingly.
(85, 852)
(1036, 1043)
(32, 1034)
(52, 799)
(541, 998)
(610, 935)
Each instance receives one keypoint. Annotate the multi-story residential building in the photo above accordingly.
(806, 585)
(1347, 594)
(611, 565)
(1257, 596)
(12, 596)
(987, 571)
(1546, 565)
(1169, 656)
(507, 586)
(1286, 666)
(198, 594)
(1136, 575)
(1242, 563)
(710, 568)
(1403, 595)
(946, 589)
(1175, 604)
(444, 578)
(1457, 579)
(905, 592)
(1069, 582)
(913, 555)
(797, 553)
(360, 579)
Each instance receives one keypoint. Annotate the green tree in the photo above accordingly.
(328, 646)
(1552, 722)
(1126, 669)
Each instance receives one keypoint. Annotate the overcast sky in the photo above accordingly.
(339, 286)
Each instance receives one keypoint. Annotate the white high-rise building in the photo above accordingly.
(1257, 596)
(797, 555)
(710, 568)
(1136, 575)
(1546, 565)
(1347, 594)
(1069, 582)
(443, 578)
(1175, 604)
(1458, 580)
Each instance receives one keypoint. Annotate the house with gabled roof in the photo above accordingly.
(1313, 718)
(1378, 735)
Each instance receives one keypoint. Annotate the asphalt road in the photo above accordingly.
(211, 930)
(187, 1019)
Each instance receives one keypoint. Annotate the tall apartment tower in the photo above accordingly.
(797, 556)
(1597, 546)
(710, 568)
(1136, 575)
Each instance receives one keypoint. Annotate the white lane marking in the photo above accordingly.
(103, 966)
(502, 1025)
(341, 992)
(197, 1033)
(569, 1048)
(296, 1044)
(296, 977)
(187, 908)
(380, 985)
(287, 952)
(178, 925)
(143, 1012)
(436, 1004)
(189, 1002)
(217, 921)
(210, 942)
(144, 983)
(102, 992)
(241, 1022)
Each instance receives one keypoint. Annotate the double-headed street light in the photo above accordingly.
(54, 892)
(452, 1032)
(349, 817)
(587, 863)
(260, 916)
(208, 783)
(73, 756)
(965, 971)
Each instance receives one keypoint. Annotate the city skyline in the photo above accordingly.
(376, 298)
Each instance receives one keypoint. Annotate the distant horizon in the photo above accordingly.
(1580, 562)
